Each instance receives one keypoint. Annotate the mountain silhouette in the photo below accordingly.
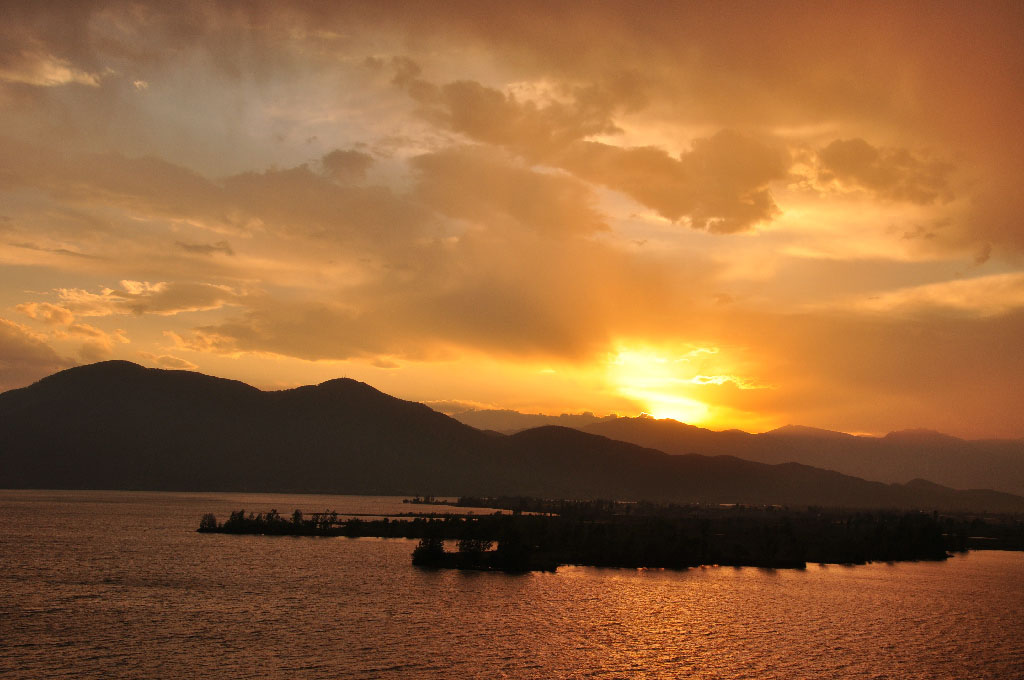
(117, 425)
(804, 431)
(507, 421)
(897, 457)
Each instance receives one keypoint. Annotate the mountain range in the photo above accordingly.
(507, 421)
(898, 457)
(117, 425)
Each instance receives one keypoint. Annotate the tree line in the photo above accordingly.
(540, 534)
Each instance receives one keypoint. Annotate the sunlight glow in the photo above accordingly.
(662, 405)
(661, 381)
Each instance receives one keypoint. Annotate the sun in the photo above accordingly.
(677, 408)
(660, 382)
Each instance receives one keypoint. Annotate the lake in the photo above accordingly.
(118, 584)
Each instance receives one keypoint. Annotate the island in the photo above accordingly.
(529, 534)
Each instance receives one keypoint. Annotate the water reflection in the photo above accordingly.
(119, 585)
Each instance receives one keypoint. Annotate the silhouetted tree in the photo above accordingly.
(429, 550)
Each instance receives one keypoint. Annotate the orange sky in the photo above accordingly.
(738, 215)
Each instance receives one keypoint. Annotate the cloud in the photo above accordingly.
(721, 184)
(483, 205)
(88, 331)
(294, 203)
(739, 381)
(488, 115)
(97, 344)
(169, 361)
(46, 312)
(143, 297)
(346, 165)
(438, 266)
(58, 251)
(478, 185)
(306, 330)
(43, 70)
(93, 351)
(469, 292)
(953, 373)
(453, 406)
(488, 271)
(918, 83)
(983, 254)
(147, 184)
(992, 295)
(222, 247)
(25, 356)
(891, 173)
(300, 203)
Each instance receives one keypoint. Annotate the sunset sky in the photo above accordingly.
(733, 214)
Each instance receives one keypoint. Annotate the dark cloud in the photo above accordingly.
(56, 251)
(983, 254)
(489, 115)
(878, 68)
(294, 201)
(890, 173)
(720, 184)
(222, 247)
(146, 184)
(299, 202)
(485, 188)
(346, 165)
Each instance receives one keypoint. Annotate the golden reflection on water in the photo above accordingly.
(102, 584)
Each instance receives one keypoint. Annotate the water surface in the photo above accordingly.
(119, 585)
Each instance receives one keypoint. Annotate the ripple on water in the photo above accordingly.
(118, 585)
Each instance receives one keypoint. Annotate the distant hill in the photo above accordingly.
(509, 422)
(896, 457)
(807, 432)
(116, 425)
